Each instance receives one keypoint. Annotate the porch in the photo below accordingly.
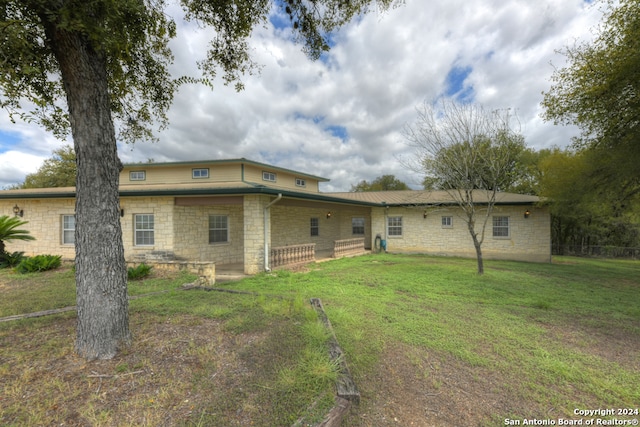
(348, 247)
(293, 255)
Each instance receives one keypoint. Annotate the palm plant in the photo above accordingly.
(9, 231)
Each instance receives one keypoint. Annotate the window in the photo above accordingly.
(68, 229)
(218, 228)
(268, 176)
(500, 226)
(143, 225)
(200, 173)
(447, 222)
(357, 226)
(315, 227)
(137, 176)
(301, 182)
(394, 226)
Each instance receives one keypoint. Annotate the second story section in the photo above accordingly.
(227, 173)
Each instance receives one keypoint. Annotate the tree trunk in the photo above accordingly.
(101, 276)
(479, 256)
(478, 245)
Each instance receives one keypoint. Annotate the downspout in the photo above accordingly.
(266, 231)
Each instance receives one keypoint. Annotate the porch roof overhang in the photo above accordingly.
(187, 190)
(406, 198)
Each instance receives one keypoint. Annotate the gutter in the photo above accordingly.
(266, 230)
(70, 194)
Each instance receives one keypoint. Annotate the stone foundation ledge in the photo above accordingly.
(206, 270)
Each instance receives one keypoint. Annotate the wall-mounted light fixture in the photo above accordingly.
(121, 212)
(424, 215)
(17, 211)
(328, 214)
(527, 213)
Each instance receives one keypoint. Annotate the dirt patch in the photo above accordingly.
(416, 388)
(155, 382)
(613, 342)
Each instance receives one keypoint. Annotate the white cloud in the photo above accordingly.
(381, 67)
(14, 165)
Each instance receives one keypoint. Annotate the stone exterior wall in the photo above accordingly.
(181, 232)
(291, 225)
(44, 223)
(206, 271)
(529, 240)
(254, 232)
(163, 215)
(346, 229)
(191, 230)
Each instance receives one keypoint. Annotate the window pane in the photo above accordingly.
(357, 226)
(69, 222)
(68, 237)
(394, 225)
(200, 173)
(500, 226)
(217, 236)
(218, 229)
(144, 230)
(144, 238)
(137, 175)
(68, 229)
(315, 228)
(269, 176)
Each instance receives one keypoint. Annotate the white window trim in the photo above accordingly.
(508, 227)
(64, 242)
(389, 227)
(267, 176)
(135, 231)
(133, 176)
(199, 171)
(449, 220)
(301, 182)
(227, 229)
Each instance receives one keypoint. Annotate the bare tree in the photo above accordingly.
(469, 152)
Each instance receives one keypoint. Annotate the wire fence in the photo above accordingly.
(597, 251)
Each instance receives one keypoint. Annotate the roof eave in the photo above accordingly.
(454, 203)
(197, 192)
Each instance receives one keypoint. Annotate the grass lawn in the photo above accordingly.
(429, 342)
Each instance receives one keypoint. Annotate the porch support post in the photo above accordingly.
(254, 232)
(267, 231)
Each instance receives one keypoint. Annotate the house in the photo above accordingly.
(261, 216)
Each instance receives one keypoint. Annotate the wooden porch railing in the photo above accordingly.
(348, 247)
(286, 256)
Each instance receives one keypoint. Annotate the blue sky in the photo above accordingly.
(342, 117)
(457, 86)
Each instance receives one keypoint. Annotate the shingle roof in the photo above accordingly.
(423, 197)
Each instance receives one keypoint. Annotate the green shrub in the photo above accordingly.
(10, 259)
(39, 263)
(139, 272)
